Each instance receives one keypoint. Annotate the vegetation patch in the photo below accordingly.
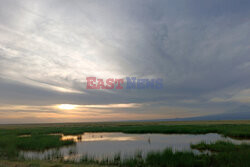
(224, 154)
(41, 142)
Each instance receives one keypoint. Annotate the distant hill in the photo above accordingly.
(224, 116)
(242, 113)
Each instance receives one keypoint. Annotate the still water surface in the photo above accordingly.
(106, 145)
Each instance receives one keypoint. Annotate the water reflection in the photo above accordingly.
(87, 137)
(106, 145)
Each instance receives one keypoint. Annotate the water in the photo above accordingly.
(106, 145)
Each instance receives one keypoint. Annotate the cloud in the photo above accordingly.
(200, 49)
(243, 96)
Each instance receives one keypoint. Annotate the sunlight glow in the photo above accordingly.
(67, 106)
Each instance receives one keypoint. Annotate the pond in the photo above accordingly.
(101, 146)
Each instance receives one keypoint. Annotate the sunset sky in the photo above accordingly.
(201, 49)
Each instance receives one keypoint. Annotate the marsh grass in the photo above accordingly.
(227, 154)
(231, 130)
(11, 143)
(41, 142)
(221, 146)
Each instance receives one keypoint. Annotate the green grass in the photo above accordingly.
(11, 144)
(221, 146)
(232, 130)
(182, 159)
(227, 154)
(41, 142)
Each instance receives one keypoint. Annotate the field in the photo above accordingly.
(223, 153)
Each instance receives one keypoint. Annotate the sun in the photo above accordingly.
(67, 106)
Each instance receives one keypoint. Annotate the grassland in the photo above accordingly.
(227, 154)
(37, 163)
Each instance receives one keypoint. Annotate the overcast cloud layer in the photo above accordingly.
(48, 47)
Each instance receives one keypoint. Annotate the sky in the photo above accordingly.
(201, 50)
